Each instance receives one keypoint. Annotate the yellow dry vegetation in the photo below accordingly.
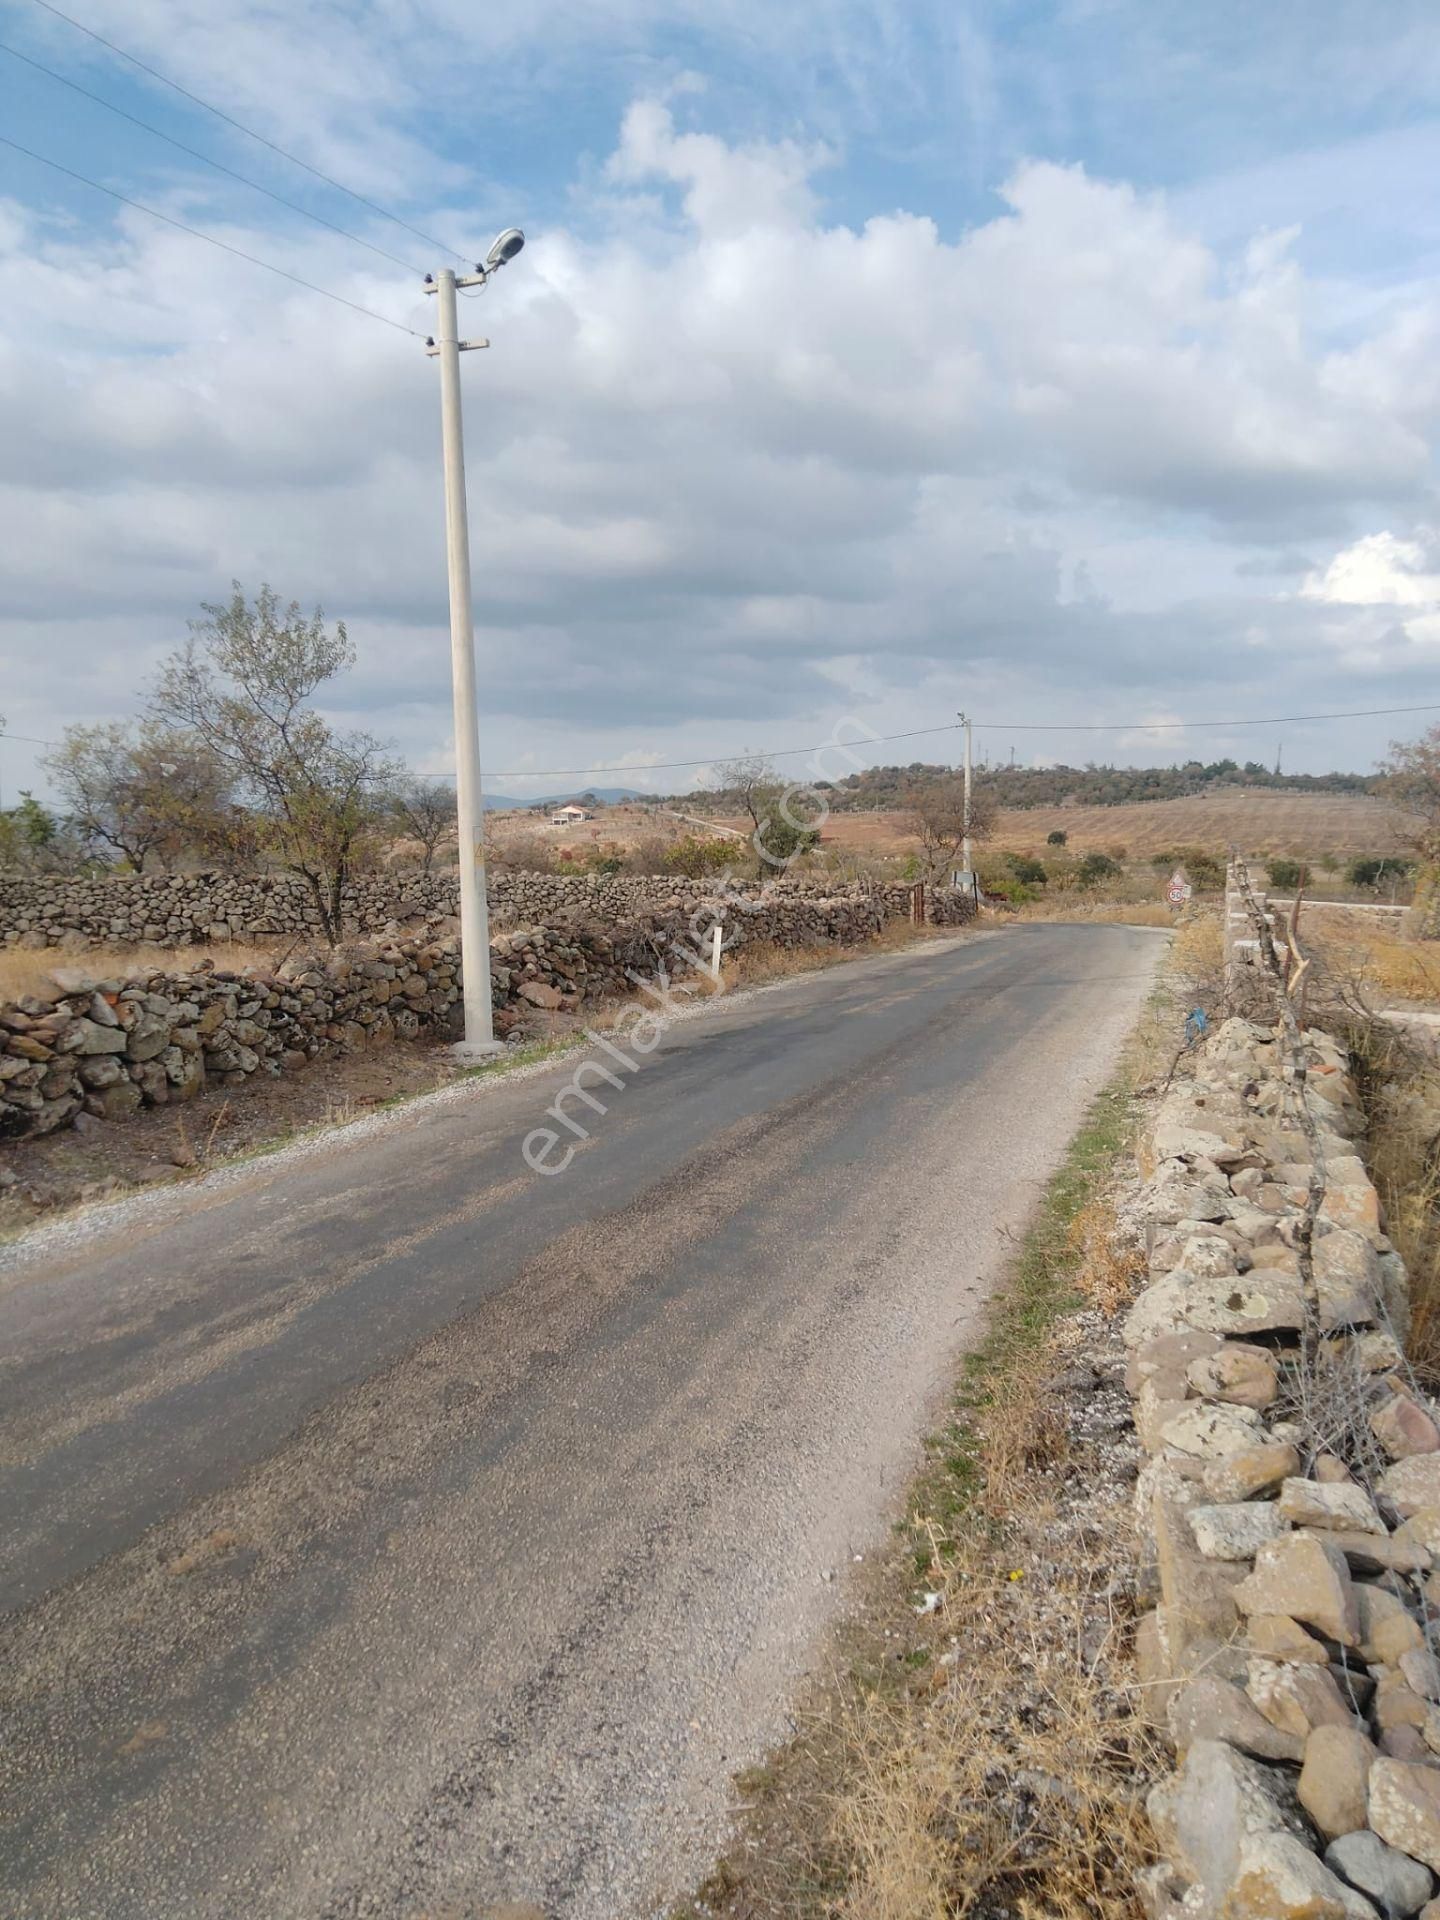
(25, 971)
(920, 1825)
(1370, 955)
(1258, 819)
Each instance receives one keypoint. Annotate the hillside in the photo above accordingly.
(1105, 786)
(1259, 821)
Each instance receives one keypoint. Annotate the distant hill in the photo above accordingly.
(1015, 788)
(611, 796)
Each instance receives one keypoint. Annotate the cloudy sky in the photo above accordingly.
(1073, 361)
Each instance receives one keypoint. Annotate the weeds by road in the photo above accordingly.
(1365, 968)
(975, 1746)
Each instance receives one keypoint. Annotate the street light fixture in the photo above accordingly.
(504, 250)
(469, 804)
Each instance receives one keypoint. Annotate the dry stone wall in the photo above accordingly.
(104, 1046)
(38, 910)
(1292, 1499)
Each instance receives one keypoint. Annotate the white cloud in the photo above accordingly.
(730, 465)
(1380, 570)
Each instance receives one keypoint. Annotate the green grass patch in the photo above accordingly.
(1040, 1290)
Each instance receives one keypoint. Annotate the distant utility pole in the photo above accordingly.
(447, 346)
(968, 876)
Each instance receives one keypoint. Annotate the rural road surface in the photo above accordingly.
(385, 1524)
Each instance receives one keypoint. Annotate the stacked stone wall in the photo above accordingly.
(1290, 1499)
(38, 910)
(104, 1046)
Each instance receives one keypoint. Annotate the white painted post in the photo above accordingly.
(716, 940)
(469, 806)
(967, 858)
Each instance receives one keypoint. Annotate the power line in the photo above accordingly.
(884, 739)
(990, 726)
(224, 245)
(249, 132)
(1182, 726)
(666, 766)
(195, 154)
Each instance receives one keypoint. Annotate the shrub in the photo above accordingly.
(1378, 870)
(1007, 887)
(1205, 871)
(1096, 867)
(1057, 837)
(698, 855)
(1286, 874)
(1026, 869)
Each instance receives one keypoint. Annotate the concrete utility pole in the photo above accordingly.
(469, 800)
(968, 876)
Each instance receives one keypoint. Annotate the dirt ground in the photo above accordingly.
(1260, 822)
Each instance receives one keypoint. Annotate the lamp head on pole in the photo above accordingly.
(504, 250)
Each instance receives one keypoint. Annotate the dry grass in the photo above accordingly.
(1362, 967)
(1107, 1274)
(25, 971)
(1005, 1776)
(1266, 822)
(1376, 962)
(1400, 1085)
(926, 1831)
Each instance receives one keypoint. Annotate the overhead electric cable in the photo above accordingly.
(224, 245)
(195, 154)
(990, 726)
(1183, 726)
(249, 132)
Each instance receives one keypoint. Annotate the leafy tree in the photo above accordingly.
(30, 835)
(142, 791)
(424, 810)
(781, 832)
(242, 687)
(1411, 778)
(1286, 874)
(1096, 867)
(1374, 871)
(936, 810)
(1057, 837)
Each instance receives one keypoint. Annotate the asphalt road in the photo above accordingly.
(384, 1523)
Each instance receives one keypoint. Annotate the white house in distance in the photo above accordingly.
(568, 816)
